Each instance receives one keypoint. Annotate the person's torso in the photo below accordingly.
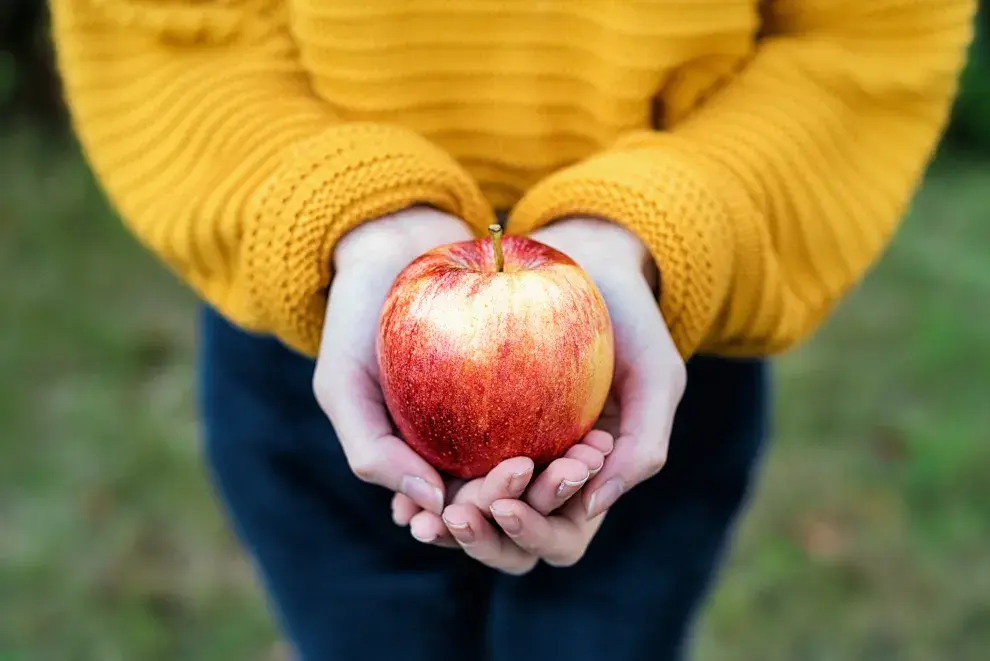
(515, 89)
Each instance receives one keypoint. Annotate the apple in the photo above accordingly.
(494, 348)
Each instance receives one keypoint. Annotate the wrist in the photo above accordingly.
(399, 237)
(600, 245)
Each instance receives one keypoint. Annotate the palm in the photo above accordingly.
(649, 375)
(346, 378)
(358, 297)
(611, 415)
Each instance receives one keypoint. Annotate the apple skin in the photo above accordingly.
(479, 365)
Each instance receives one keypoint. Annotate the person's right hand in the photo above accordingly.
(345, 382)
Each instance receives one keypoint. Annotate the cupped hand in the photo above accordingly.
(511, 519)
(650, 375)
(345, 381)
(649, 382)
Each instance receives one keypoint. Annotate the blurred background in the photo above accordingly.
(869, 536)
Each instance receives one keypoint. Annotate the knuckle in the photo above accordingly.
(365, 468)
(677, 371)
(654, 459)
(567, 558)
(323, 389)
(521, 568)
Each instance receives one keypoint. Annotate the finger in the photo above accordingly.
(404, 509)
(649, 395)
(649, 381)
(608, 424)
(354, 404)
(467, 494)
(481, 540)
(559, 540)
(599, 440)
(554, 486)
(641, 447)
(452, 485)
(608, 421)
(593, 459)
(507, 480)
(429, 528)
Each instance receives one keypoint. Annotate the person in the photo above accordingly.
(725, 171)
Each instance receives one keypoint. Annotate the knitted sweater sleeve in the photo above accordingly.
(200, 124)
(771, 199)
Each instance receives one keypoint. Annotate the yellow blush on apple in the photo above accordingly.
(491, 349)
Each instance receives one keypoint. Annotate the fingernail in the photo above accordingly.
(395, 516)
(508, 521)
(426, 540)
(419, 536)
(517, 482)
(605, 497)
(422, 492)
(594, 471)
(461, 531)
(568, 488)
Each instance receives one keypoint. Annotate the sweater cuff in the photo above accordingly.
(675, 204)
(325, 187)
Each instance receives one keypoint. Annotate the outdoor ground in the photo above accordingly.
(869, 536)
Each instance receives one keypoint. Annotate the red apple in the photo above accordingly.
(490, 349)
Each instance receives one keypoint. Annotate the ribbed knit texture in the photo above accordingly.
(765, 163)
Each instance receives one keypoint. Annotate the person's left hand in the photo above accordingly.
(649, 381)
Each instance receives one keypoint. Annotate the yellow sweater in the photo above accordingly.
(764, 151)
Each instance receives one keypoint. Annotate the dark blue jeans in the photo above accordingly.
(348, 585)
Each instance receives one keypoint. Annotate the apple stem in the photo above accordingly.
(496, 231)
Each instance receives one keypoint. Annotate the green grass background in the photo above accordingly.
(868, 537)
